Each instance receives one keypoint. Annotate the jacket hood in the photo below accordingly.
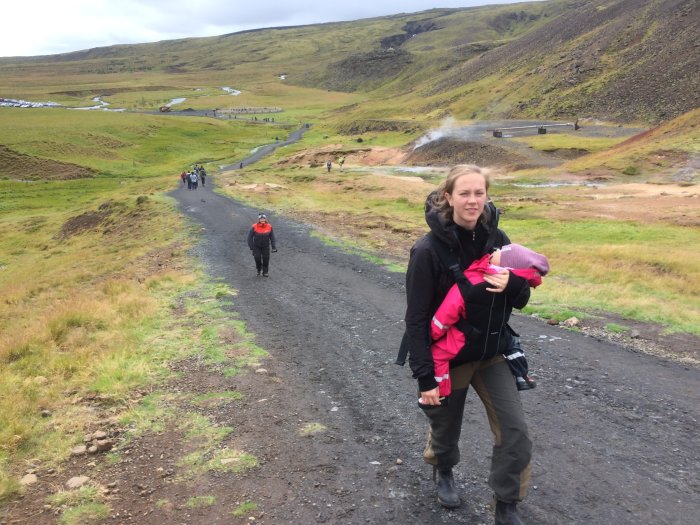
(446, 230)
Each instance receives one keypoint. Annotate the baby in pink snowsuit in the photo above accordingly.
(448, 339)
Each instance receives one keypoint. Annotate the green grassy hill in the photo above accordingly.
(626, 60)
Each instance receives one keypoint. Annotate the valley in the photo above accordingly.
(142, 359)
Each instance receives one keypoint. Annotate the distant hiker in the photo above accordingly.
(328, 165)
(202, 175)
(241, 166)
(183, 176)
(465, 224)
(260, 237)
(194, 179)
(455, 321)
(188, 176)
(341, 161)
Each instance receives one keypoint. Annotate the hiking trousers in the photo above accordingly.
(262, 258)
(512, 450)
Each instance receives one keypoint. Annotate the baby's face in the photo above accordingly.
(496, 258)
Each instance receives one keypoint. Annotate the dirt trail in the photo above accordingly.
(265, 150)
(615, 430)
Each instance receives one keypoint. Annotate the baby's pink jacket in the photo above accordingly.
(449, 340)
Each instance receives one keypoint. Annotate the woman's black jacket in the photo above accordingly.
(428, 281)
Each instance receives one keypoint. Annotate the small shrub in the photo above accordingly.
(245, 508)
(62, 325)
(87, 513)
(115, 288)
(9, 487)
(85, 495)
(304, 178)
(312, 428)
(631, 170)
(18, 352)
(197, 502)
(616, 328)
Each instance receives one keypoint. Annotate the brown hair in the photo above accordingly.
(448, 186)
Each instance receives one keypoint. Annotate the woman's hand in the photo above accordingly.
(430, 397)
(498, 281)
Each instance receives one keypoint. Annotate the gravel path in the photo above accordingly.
(615, 430)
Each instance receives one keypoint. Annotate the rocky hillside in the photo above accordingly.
(620, 59)
(628, 60)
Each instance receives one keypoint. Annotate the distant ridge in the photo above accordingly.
(624, 60)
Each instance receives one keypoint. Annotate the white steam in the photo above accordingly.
(447, 127)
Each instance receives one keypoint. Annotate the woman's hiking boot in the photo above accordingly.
(507, 514)
(446, 489)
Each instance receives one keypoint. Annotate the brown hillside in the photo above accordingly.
(14, 165)
(447, 151)
(621, 59)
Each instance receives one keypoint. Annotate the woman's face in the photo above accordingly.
(468, 199)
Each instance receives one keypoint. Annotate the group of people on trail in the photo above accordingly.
(463, 280)
(192, 177)
(340, 161)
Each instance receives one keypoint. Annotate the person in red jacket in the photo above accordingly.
(445, 330)
(260, 238)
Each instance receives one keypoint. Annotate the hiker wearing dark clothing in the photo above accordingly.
(328, 165)
(465, 225)
(189, 180)
(183, 176)
(260, 238)
(202, 175)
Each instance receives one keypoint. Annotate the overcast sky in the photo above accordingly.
(44, 27)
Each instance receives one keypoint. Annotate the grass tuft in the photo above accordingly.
(312, 428)
(245, 509)
(198, 502)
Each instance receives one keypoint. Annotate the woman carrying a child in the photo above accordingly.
(464, 223)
